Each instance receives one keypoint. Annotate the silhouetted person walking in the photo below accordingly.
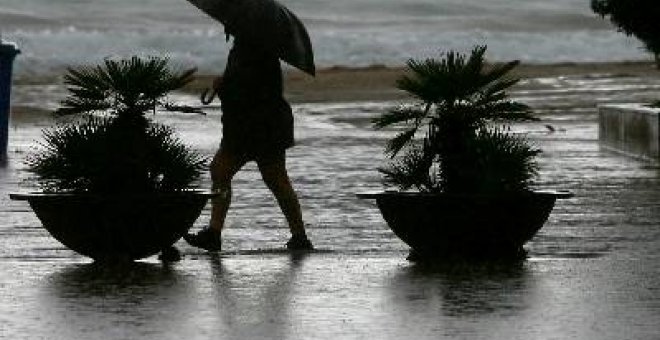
(257, 126)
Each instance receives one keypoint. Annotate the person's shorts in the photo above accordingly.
(257, 133)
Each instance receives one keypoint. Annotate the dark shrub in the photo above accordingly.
(638, 18)
(113, 147)
(96, 155)
(459, 99)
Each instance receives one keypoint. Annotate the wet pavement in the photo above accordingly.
(593, 271)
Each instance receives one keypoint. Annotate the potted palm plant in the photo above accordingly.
(116, 185)
(465, 183)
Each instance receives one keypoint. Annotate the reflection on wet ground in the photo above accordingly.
(593, 270)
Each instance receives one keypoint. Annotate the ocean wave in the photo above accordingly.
(16, 19)
(50, 51)
(55, 35)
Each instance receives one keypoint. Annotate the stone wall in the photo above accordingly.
(630, 128)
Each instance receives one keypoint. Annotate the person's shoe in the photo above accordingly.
(206, 239)
(299, 242)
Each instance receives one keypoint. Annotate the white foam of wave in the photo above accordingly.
(54, 35)
(50, 51)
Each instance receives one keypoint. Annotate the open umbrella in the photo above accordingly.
(267, 23)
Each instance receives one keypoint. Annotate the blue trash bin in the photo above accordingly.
(8, 52)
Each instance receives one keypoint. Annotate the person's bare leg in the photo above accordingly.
(223, 168)
(274, 174)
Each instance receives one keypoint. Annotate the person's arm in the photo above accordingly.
(217, 85)
(215, 89)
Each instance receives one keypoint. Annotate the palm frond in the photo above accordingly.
(498, 74)
(402, 114)
(505, 162)
(496, 90)
(433, 81)
(130, 86)
(460, 96)
(410, 170)
(98, 155)
(402, 139)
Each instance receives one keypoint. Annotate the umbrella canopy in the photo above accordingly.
(266, 23)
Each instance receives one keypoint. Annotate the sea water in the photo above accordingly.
(55, 34)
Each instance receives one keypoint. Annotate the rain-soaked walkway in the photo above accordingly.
(593, 270)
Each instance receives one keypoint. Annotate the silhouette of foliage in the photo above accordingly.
(413, 169)
(96, 155)
(634, 17)
(113, 147)
(460, 97)
(122, 87)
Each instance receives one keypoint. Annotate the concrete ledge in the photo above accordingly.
(630, 128)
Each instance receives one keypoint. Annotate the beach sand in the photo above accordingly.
(36, 96)
(377, 83)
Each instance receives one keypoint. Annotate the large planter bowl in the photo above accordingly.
(442, 225)
(117, 227)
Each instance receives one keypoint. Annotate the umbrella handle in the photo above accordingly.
(207, 99)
